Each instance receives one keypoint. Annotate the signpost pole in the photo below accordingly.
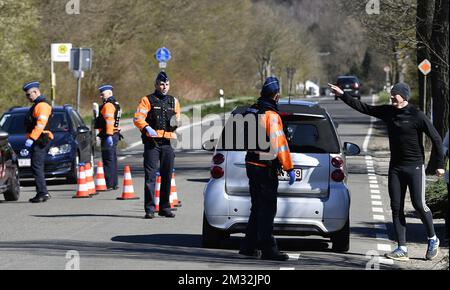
(79, 79)
(53, 89)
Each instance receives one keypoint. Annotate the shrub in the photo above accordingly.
(437, 198)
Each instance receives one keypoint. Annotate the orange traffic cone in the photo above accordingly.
(173, 191)
(128, 189)
(82, 186)
(100, 178)
(90, 180)
(157, 191)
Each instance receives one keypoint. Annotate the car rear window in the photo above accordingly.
(310, 135)
(14, 123)
(305, 134)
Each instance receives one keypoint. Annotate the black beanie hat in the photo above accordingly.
(403, 90)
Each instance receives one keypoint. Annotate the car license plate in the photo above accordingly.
(24, 162)
(347, 90)
(285, 177)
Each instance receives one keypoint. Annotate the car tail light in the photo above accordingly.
(337, 162)
(355, 85)
(218, 159)
(284, 114)
(217, 172)
(338, 175)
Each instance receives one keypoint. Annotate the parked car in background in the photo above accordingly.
(317, 204)
(9, 171)
(73, 142)
(351, 85)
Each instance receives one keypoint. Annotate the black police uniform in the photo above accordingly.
(39, 149)
(159, 153)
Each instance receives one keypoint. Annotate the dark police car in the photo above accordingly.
(9, 174)
(73, 142)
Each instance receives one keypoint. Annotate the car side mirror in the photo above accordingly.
(83, 130)
(351, 149)
(209, 145)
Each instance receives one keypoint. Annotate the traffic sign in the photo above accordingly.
(425, 67)
(163, 55)
(85, 59)
(61, 52)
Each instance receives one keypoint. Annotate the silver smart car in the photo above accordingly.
(317, 204)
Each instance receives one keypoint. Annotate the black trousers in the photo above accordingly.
(109, 157)
(38, 154)
(263, 183)
(401, 178)
(158, 157)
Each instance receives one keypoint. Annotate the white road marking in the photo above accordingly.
(384, 247)
(372, 177)
(369, 132)
(294, 256)
(368, 157)
(136, 144)
(377, 209)
(374, 186)
(375, 191)
(287, 269)
(378, 217)
(374, 196)
(373, 181)
(377, 203)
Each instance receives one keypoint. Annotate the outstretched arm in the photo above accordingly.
(379, 112)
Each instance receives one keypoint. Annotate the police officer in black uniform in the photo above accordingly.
(108, 123)
(157, 118)
(37, 124)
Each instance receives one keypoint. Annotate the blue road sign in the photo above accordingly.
(163, 55)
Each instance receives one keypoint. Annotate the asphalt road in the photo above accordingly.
(109, 234)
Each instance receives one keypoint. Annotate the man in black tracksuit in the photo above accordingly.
(405, 124)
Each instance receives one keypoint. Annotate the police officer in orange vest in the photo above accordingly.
(157, 118)
(108, 123)
(262, 171)
(37, 124)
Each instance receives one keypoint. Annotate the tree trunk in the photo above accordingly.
(439, 74)
(425, 15)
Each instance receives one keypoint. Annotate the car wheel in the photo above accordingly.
(211, 236)
(13, 192)
(341, 239)
(72, 178)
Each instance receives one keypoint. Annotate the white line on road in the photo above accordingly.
(375, 191)
(372, 177)
(377, 203)
(369, 132)
(123, 158)
(368, 157)
(373, 181)
(374, 186)
(286, 269)
(378, 217)
(374, 196)
(384, 247)
(135, 144)
(377, 209)
(294, 256)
